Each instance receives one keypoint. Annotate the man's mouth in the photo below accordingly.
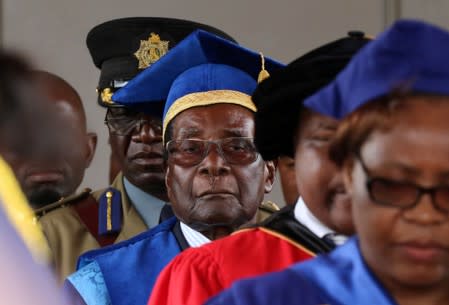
(215, 193)
(148, 159)
(218, 193)
(44, 176)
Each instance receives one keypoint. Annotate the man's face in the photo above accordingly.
(319, 180)
(56, 173)
(136, 142)
(218, 191)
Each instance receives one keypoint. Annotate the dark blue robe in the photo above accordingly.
(125, 273)
(338, 278)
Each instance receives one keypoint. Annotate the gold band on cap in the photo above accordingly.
(197, 99)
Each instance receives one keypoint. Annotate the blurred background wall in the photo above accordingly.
(52, 33)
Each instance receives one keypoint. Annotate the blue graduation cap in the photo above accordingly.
(203, 69)
(411, 56)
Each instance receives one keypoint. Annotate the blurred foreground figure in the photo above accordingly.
(22, 261)
(49, 180)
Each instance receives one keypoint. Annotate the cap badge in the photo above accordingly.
(106, 96)
(151, 50)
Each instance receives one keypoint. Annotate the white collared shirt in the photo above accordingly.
(194, 238)
(305, 217)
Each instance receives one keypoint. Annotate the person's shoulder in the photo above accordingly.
(269, 206)
(249, 245)
(285, 224)
(242, 245)
(60, 207)
(152, 238)
(111, 207)
(197, 258)
(117, 186)
(103, 193)
(265, 210)
(259, 236)
(242, 242)
(273, 288)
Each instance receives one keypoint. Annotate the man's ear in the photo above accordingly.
(91, 147)
(270, 174)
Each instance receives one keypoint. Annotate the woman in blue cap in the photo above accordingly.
(393, 148)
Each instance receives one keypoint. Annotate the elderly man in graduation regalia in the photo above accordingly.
(283, 128)
(216, 179)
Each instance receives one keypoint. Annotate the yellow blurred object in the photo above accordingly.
(20, 214)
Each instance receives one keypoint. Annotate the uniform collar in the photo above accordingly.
(148, 206)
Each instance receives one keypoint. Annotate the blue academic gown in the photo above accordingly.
(339, 278)
(125, 273)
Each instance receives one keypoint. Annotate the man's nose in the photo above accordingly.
(214, 163)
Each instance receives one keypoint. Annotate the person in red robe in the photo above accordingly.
(297, 232)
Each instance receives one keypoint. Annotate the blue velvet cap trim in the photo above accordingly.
(410, 56)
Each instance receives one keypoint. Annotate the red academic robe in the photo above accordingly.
(197, 274)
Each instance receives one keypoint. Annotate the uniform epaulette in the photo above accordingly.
(269, 206)
(110, 211)
(64, 201)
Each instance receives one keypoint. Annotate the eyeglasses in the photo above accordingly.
(124, 125)
(190, 152)
(403, 195)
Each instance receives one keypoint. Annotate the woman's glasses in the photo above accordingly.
(403, 194)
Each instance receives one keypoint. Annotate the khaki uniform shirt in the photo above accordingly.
(67, 235)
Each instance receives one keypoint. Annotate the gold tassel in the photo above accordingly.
(263, 74)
